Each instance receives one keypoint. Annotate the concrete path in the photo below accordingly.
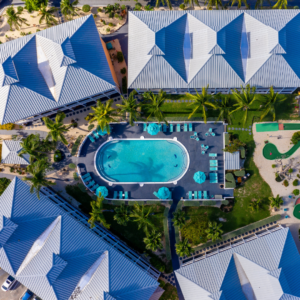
(23, 132)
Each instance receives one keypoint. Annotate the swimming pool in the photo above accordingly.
(141, 161)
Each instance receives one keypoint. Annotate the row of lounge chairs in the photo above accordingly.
(89, 182)
(173, 127)
(120, 195)
(213, 177)
(198, 195)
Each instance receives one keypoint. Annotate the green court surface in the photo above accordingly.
(271, 152)
(296, 211)
(291, 126)
(266, 127)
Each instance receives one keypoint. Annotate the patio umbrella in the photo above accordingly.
(164, 193)
(153, 129)
(103, 190)
(199, 177)
(100, 131)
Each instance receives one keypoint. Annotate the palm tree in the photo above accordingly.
(259, 4)
(216, 3)
(224, 107)
(153, 241)
(163, 3)
(68, 8)
(31, 145)
(276, 201)
(47, 15)
(214, 231)
(129, 106)
(153, 104)
(57, 128)
(183, 248)
(201, 102)
(280, 4)
(179, 218)
(244, 99)
(122, 215)
(239, 2)
(14, 19)
(141, 215)
(255, 205)
(38, 172)
(97, 213)
(103, 114)
(192, 3)
(270, 102)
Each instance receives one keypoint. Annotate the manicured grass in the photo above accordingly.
(170, 291)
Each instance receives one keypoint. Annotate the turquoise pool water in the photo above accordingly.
(141, 161)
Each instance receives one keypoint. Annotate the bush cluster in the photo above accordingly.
(57, 156)
(286, 183)
(120, 56)
(182, 6)
(296, 138)
(8, 126)
(295, 182)
(86, 8)
(123, 71)
(296, 192)
(274, 166)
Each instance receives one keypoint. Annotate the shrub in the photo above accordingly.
(286, 183)
(117, 16)
(243, 152)
(11, 169)
(229, 177)
(107, 29)
(298, 175)
(57, 156)
(230, 185)
(86, 8)
(22, 33)
(274, 166)
(117, 6)
(72, 166)
(111, 24)
(95, 16)
(138, 6)
(182, 6)
(290, 171)
(124, 85)
(91, 126)
(20, 9)
(4, 183)
(120, 56)
(296, 7)
(111, 15)
(8, 126)
(209, 202)
(99, 9)
(295, 182)
(234, 146)
(123, 7)
(296, 137)
(38, 30)
(120, 18)
(157, 263)
(239, 173)
(75, 176)
(296, 192)
(123, 71)
(225, 202)
(104, 23)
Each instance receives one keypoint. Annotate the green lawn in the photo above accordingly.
(170, 291)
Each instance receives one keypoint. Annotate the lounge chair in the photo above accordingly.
(126, 195)
(91, 184)
(95, 187)
(145, 126)
(185, 127)
(213, 168)
(87, 179)
(205, 196)
(195, 133)
(210, 130)
(285, 209)
(178, 127)
(190, 127)
(197, 139)
(115, 195)
(212, 154)
(206, 147)
(96, 135)
(160, 127)
(200, 195)
(91, 138)
(120, 195)
(202, 146)
(286, 217)
(192, 136)
(202, 152)
(171, 127)
(206, 134)
(164, 128)
(190, 195)
(195, 195)
(156, 194)
(213, 134)
(85, 175)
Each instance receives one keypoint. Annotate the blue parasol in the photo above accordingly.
(199, 177)
(102, 191)
(163, 193)
(153, 129)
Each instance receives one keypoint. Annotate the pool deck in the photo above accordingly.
(198, 162)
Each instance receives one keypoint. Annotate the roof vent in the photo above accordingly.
(8, 228)
(156, 42)
(8, 73)
(66, 54)
(57, 267)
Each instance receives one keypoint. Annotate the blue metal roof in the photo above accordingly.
(67, 255)
(269, 48)
(77, 65)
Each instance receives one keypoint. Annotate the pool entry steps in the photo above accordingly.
(264, 127)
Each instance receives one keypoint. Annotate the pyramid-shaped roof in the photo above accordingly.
(225, 49)
(54, 255)
(256, 269)
(52, 68)
(10, 153)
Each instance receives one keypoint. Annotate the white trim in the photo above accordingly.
(138, 139)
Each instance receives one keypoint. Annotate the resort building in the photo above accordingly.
(10, 153)
(263, 266)
(49, 247)
(180, 51)
(60, 68)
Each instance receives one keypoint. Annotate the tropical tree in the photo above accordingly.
(38, 171)
(255, 205)
(153, 241)
(129, 106)
(179, 218)
(214, 231)
(57, 128)
(269, 104)
(276, 201)
(169, 3)
(201, 102)
(97, 213)
(239, 2)
(103, 114)
(224, 107)
(141, 215)
(34, 5)
(31, 145)
(153, 105)
(13, 18)
(234, 145)
(244, 99)
(216, 3)
(122, 215)
(183, 248)
(68, 8)
(280, 4)
(192, 3)
(47, 15)
(259, 4)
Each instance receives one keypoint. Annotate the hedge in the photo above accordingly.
(225, 202)
(209, 202)
(229, 177)
(230, 185)
(227, 138)
(117, 202)
(243, 152)
(8, 126)
(166, 233)
(86, 8)
(191, 203)
(240, 231)
(134, 202)
(176, 228)
(76, 145)
(240, 173)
